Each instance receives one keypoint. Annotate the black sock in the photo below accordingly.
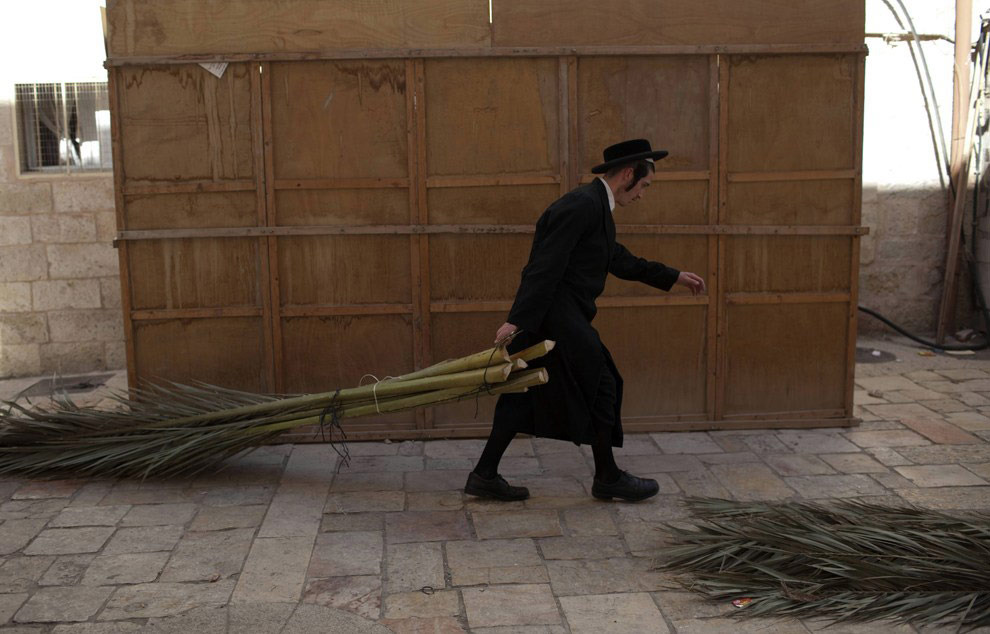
(605, 468)
(498, 442)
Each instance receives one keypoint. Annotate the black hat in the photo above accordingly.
(627, 152)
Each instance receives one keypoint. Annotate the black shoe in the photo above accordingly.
(496, 488)
(627, 487)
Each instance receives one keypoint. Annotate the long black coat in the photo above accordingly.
(573, 251)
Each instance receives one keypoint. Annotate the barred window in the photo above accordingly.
(63, 127)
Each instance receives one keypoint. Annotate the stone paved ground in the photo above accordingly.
(282, 542)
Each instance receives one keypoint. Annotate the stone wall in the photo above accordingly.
(59, 276)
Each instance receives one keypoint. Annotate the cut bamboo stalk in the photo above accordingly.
(534, 352)
(519, 364)
(492, 356)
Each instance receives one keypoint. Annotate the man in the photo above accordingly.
(573, 251)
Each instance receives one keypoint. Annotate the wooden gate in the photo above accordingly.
(319, 212)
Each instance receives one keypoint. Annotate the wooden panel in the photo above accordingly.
(226, 352)
(342, 119)
(787, 263)
(661, 353)
(785, 358)
(686, 253)
(491, 116)
(343, 270)
(815, 92)
(477, 267)
(664, 99)
(149, 27)
(181, 122)
(644, 22)
(194, 273)
(457, 335)
(668, 203)
(183, 211)
(823, 202)
(327, 353)
(520, 204)
(342, 207)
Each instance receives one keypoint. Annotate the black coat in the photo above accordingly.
(574, 249)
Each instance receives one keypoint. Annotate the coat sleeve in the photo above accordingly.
(627, 266)
(557, 233)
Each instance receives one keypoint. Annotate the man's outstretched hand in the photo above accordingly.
(694, 282)
(505, 331)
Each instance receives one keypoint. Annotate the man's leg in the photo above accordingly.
(485, 481)
(498, 442)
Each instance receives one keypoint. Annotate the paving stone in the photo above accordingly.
(143, 539)
(665, 463)
(798, 464)
(159, 514)
(509, 524)
(560, 464)
(526, 604)
(414, 566)
(814, 442)
(863, 397)
(361, 595)
(435, 480)
(148, 600)
(854, 463)
(209, 556)
(514, 467)
(604, 576)
(547, 446)
(948, 475)
(433, 625)
(949, 498)
(827, 627)
(736, 457)
(834, 486)
(239, 496)
(954, 387)
(940, 432)
(380, 481)
(494, 561)
(112, 570)
(377, 448)
(923, 375)
(737, 626)
(67, 570)
(892, 481)
(343, 522)
(657, 509)
(589, 521)
(309, 618)
(49, 605)
(292, 520)
(887, 456)
(970, 421)
(613, 614)
(947, 406)
(20, 574)
(751, 482)
(973, 399)
(89, 516)
(32, 509)
(435, 501)
(67, 541)
(275, 570)
(346, 555)
(162, 495)
(685, 442)
(886, 383)
(420, 604)
(41, 489)
(963, 374)
(426, 526)
(365, 502)
(591, 547)
(8, 606)
(982, 470)
(362, 464)
(636, 445)
(91, 493)
(700, 482)
(910, 396)
(220, 518)
(258, 618)
(895, 438)
(947, 454)
(682, 606)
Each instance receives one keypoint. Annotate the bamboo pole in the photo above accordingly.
(534, 352)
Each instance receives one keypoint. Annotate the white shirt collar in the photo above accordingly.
(608, 190)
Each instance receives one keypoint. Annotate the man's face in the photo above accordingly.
(623, 197)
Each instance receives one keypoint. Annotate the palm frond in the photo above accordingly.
(846, 561)
(173, 429)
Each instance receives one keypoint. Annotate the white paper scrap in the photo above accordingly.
(216, 68)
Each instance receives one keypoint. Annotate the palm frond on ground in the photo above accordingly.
(172, 429)
(846, 561)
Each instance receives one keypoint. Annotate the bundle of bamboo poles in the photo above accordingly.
(175, 429)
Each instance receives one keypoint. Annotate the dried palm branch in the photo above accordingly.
(848, 561)
(174, 429)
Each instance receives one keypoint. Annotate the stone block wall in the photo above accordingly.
(59, 275)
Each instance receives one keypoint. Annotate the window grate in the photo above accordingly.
(63, 127)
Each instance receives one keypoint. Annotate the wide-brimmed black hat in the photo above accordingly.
(626, 152)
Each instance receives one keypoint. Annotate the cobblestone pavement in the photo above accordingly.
(280, 541)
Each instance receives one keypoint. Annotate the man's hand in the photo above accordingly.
(505, 331)
(692, 281)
